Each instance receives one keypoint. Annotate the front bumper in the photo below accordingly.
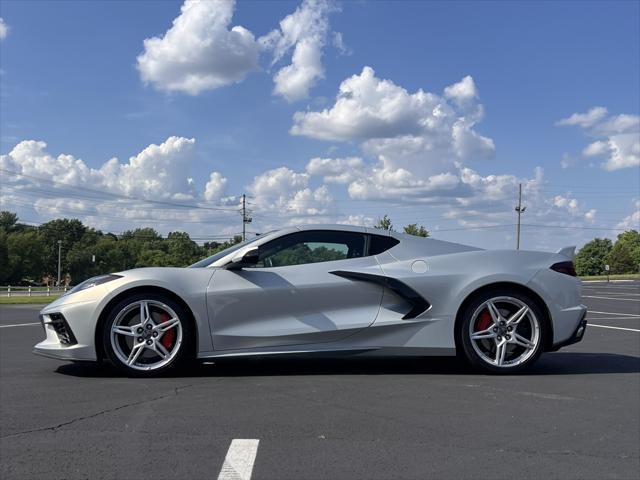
(69, 330)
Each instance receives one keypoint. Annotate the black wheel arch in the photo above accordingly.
(517, 287)
(101, 354)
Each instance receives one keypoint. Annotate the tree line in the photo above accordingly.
(28, 254)
(622, 256)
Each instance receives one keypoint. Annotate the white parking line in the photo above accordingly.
(20, 325)
(618, 294)
(613, 298)
(611, 281)
(609, 318)
(238, 464)
(613, 328)
(615, 313)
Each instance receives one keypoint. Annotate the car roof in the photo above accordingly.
(334, 227)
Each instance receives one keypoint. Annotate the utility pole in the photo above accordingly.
(520, 209)
(245, 219)
(59, 261)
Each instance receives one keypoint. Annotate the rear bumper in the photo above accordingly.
(575, 337)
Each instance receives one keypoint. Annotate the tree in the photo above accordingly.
(384, 223)
(26, 252)
(418, 231)
(8, 220)
(4, 257)
(624, 257)
(68, 231)
(182, 250)
(592, 257)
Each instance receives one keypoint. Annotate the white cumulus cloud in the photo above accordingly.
(158, 171)
(423, 133)
(304, 32)
(336, 170)
(200, 51)
(585, 120)
(214, 189)
(4, 29)
(284, 191)
(617, 137)
(631, 222)
(463, 91)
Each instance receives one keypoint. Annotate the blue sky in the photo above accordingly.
(446, 107)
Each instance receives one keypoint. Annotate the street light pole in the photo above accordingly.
(59, 261)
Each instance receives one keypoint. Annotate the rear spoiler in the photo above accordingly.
(568, 252)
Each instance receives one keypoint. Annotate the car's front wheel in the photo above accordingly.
(147, 334)
(502, 331)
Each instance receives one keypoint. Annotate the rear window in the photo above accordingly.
(381, 244)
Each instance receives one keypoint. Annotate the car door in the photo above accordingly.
(291, 297)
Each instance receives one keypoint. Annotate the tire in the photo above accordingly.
(502, 331)
(161, 343)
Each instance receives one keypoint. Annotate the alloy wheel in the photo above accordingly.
(504, 332)
(146, 335)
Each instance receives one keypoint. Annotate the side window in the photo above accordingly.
(380, 243)
(312, 247)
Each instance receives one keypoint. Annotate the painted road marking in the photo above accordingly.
(613, 328)
(20, 325)
(617, 294)
(614, 313)
(238, 464)
(609, 318)
(613, 298)
(610, 281)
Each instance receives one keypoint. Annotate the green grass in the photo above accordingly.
(627, 276)
(24, 300)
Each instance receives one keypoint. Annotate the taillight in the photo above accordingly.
(564, 267)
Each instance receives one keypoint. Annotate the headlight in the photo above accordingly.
(92, 282)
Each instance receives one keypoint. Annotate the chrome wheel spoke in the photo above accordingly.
(517, 317)
(523, 342)
(494, 312)
(160, 350)
(145, 316)
(135, 353)
(127, 331)
(168, 325)
(501, 351)
(488, 333)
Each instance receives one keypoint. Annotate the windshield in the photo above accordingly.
(222, 253)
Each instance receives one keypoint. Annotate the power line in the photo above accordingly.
(72, 210)
(572, 227)
(117, 195)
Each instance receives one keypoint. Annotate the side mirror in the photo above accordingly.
(244, 258)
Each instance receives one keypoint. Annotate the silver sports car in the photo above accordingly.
(325, 289)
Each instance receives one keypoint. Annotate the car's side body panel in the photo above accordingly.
(292, 305)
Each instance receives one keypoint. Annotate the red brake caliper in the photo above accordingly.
(483, 322)
(170, 335)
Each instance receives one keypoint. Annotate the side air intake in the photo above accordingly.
(418, 304)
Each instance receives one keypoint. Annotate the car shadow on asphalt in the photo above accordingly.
(559, 363)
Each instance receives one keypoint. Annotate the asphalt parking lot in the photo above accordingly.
(576, 414)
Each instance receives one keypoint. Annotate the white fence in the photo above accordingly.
(13, 291)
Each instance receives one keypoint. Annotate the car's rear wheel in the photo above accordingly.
(502, 331)
(147, 334)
